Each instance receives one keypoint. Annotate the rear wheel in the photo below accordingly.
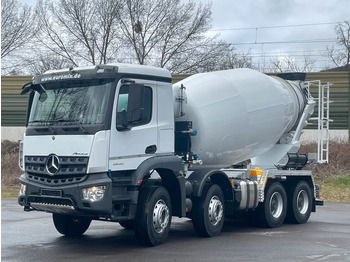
(209, 212)
(299, 208)
(272, 212)
(153, 218)
(71, 225)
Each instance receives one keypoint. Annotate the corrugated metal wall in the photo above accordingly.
(13, 105)
(339, 94)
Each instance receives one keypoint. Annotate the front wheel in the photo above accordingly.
(272, 212)
(209, 212)
(299, 208)
(153, 218)
(71, 225)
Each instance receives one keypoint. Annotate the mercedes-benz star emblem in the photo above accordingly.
(52, 164)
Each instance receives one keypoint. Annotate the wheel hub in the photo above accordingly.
(302, 202)
(160, 216)
(215, 210)
(276, 204)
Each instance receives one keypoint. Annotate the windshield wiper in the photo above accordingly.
(63, 121)
(73, 122)
(68, 125)
(43, 128)
(39, 121)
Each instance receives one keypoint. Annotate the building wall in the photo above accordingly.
(13, 105)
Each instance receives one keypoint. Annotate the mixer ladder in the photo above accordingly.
(322, 119)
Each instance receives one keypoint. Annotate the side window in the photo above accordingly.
(122, 106)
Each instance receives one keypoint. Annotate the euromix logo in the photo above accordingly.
(61, 77)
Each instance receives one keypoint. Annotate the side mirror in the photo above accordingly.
(136, 106)
(26, 88)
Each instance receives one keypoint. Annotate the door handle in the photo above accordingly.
(151, 149)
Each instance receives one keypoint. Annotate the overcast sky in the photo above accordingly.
(271, 27)
(269, 20)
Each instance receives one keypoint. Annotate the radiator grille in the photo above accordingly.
(70, 170)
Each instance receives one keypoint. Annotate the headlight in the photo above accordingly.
(94, 194)
(22, 190)
(21, 157)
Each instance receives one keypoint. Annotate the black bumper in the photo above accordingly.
(117, 204)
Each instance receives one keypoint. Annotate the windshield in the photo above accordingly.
(71, 102)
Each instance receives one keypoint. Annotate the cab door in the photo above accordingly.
(134, 131)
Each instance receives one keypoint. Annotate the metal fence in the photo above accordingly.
(13, 105)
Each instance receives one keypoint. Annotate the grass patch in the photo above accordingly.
(341, 182)
(9, 192)
(10, 171)
(338, 164)
(335, 189)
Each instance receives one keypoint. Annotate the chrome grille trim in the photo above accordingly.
(69, 166)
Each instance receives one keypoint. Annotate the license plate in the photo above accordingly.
(51, 193)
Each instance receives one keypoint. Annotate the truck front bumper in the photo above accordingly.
(116, 204)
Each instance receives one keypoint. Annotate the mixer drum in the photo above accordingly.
(239, 113)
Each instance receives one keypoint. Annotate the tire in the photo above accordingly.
(153, 217)
(300, 204)
(71, 225)
(127, 224)
(209, 212)
(272, 212)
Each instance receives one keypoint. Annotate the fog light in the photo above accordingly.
(94, 194)
(22, 190)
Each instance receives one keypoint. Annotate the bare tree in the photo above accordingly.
(341, 56)
(16, 26)
(217, 56)
(45, 62)
(237, 60)
(184, 32)
(164, 33)
(81, 31)
(263, 64)
(288, 64)
(171, 34)
(202, 56)
(141, 24)
(308, 64)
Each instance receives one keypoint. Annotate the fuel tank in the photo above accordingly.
(238, 114)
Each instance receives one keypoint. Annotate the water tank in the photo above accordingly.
(239, 114)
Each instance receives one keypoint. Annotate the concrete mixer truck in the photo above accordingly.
(120, 143)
